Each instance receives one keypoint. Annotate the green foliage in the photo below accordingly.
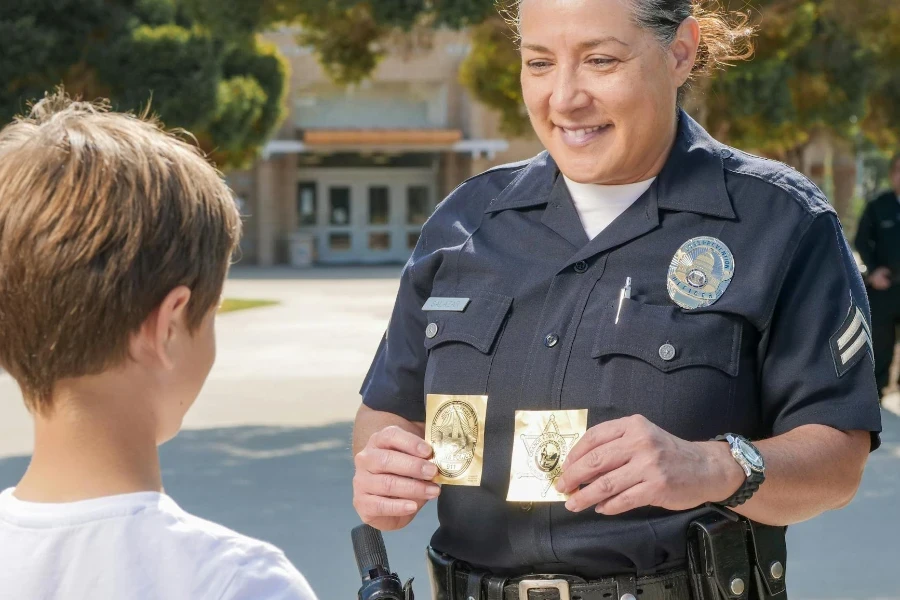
(163, 63)
(819, 65)
(197, 63)
(491, 72)
(347, 41)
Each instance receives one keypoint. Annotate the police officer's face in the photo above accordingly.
(601, 91)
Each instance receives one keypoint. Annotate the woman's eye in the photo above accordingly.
(602, 62)
(539, 64)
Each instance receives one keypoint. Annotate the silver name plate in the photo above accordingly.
(447, 304)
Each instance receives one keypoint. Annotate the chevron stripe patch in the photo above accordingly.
(851, 342)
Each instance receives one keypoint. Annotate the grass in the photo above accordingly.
(232, 304)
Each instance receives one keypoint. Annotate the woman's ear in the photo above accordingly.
(163, 326)
(683, 50)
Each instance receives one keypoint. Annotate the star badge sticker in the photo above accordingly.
(547, 453)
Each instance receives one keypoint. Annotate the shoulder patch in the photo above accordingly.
(852, 341)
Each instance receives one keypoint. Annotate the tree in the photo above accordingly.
(198, 70)
(820, 66)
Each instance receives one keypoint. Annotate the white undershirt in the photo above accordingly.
(600, 205)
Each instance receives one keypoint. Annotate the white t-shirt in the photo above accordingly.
(600, 205)
(135, 547)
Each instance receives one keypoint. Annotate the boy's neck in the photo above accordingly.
(91, 447)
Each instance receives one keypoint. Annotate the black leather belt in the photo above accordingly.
(452, 580)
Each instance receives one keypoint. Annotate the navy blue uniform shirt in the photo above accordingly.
(770, 355)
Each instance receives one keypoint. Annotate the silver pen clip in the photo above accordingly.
(625, 293)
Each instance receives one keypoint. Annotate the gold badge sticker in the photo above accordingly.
(700, 273)
(454, 426)
(543, 439)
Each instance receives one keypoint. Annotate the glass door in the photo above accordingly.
(368, 215)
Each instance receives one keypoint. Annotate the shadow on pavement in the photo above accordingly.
(292, 487)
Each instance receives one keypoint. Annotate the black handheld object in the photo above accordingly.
(378, 583)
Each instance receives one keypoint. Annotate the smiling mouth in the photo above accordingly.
(578, 137)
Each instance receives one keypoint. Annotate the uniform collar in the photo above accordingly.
(692, 180)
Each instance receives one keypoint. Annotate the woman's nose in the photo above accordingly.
(568, 93)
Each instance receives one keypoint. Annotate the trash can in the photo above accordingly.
(302, 250)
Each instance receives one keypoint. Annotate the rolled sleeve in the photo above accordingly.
(813, 372)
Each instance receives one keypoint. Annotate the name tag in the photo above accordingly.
(447, 304)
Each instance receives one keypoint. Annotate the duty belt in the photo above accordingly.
(729, 558)
(452, 580)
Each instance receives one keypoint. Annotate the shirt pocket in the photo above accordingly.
(461, 345)
(677, 368)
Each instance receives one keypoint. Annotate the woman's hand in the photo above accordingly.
(393, 479)
(630, 463)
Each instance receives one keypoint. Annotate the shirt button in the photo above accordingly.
(551, 340)
(667, 352)
(431, 331)
(581, 267)
(526, 507)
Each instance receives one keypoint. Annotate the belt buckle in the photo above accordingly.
(561, 585)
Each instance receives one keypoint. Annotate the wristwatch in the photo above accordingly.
(751, 461)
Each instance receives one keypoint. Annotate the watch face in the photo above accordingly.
(750, 453)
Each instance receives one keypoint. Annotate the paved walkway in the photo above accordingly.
(266, 449)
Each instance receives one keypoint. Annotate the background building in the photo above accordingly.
(358, 170)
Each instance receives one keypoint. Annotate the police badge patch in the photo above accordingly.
(454, 426)
(700, 273)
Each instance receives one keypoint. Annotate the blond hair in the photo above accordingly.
(102, 214)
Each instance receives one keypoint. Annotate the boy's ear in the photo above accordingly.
(164, 325)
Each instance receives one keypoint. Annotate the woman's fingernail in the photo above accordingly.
(433, 492)
(424, 449)
(572, 506)
(410, 507)
(429, 470)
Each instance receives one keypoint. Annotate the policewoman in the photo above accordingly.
(700, 304)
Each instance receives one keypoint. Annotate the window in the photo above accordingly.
(379, 241)
(340, 242)
(379, 206)
(307, 204)
(339, 210)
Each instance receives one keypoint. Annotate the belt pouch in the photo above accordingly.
(442, 573)
(769, 553)
(718, 560)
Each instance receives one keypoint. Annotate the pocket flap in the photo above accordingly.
(477, 325)
(669, 338)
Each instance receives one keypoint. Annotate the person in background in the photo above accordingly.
(878, 244)
(115, 240)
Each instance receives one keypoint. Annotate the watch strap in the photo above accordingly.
(748, 488)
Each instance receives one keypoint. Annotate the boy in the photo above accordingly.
(115, 240)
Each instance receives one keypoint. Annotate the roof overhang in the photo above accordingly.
(329, 141)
